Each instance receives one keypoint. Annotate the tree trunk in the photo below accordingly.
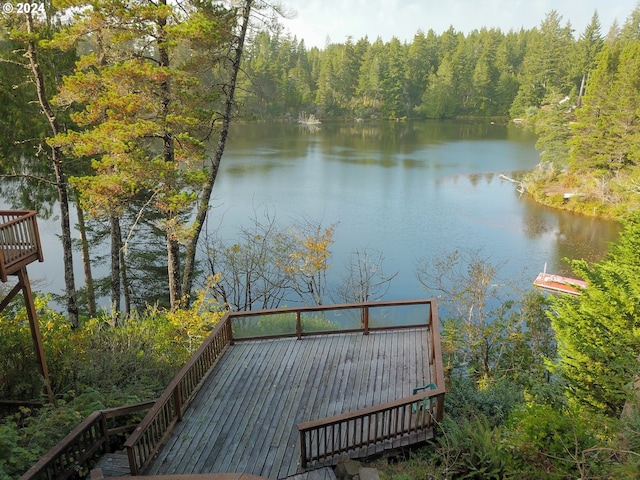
(173, 246)
(126, 290)
(205, 198)
(116, 247)
(173, 250)
(86, 262)
(582, 87)
(61, 179)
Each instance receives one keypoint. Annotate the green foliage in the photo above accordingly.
(489, 331)
(546, 65)
(16, 456)
(597, 332)
(18, 366)
(552, 127)
(484, 73)
(493, 403)
(592, 139)
(472, 449)
(537, 442)
(555, 443)
(435, 76)
(125, 363)
(96, 366)
(280, 324)
(627, 455)
(28, 434)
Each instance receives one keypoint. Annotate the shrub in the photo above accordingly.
(96, 366)
(559, 443)
(465, 401)
(472, 448)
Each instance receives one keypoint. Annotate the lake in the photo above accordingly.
(411, 190)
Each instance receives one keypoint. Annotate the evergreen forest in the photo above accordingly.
(106, 111)
(578, 90)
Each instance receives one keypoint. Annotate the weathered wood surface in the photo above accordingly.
(114, 464)
(244, 419)
(319, 474)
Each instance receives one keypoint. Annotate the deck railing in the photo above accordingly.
(19, 241)
(341, 318)
(75, 455)
(405, 421)
(155, 428)
(401, 422)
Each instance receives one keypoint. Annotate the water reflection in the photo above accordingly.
(410, 190)
(573, 236)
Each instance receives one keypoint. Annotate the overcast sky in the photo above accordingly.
(318, 20)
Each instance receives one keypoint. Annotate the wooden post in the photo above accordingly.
(303, 449)
(298, 325)
(133, 465)
(104, 427)
(365, 320)
(23, 281)
(229, 328)
(177, 401)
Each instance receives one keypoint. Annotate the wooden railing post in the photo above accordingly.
(303, 449)
(365, 320)
(298, 325)
(229, 329)
(177, 402)
(133, 465)
(105, 432)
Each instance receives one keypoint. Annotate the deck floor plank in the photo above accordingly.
(219, 440)
(244, 418)
(294, 380)
(255, 373)
(255, 438)
(249, 408)
(285, 451)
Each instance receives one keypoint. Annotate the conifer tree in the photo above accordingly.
(145, 102)
(588, 47)
(546, 65)
(598, 332)
(28, 33)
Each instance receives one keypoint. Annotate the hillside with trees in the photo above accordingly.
(118, 99)
(437, 75)
(588, 145)
(578, 90)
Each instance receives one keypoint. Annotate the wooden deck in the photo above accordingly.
(244, 418)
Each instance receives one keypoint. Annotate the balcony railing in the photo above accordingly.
(19, 241)
(75, 455)
(154, 430)
(399, 423)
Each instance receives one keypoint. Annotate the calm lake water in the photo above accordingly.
(409, 190)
